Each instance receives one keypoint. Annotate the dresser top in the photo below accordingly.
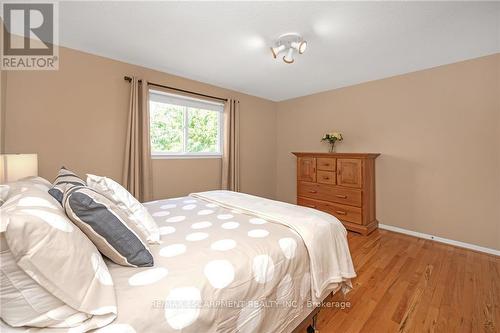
(346, 155)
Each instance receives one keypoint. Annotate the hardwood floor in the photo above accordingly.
(407, 284)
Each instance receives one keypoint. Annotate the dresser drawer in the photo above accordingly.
(326, 163)
(325, 177)
(342, 212)
(307, 202)
(325, 192)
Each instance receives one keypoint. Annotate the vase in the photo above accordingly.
(332, 148)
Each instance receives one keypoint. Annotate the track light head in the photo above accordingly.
(288, 58)
(277, 50)
(300, 46)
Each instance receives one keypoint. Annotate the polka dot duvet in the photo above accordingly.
(229, 262)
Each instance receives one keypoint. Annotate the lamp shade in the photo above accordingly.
(16, 166)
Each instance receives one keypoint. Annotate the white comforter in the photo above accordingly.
(323, 234)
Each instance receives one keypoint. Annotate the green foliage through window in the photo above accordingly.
(168, 129)
(202, 131)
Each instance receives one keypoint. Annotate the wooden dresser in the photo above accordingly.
(342, 184)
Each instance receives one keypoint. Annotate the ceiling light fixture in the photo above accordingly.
(289, 42)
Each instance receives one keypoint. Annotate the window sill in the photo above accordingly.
(183, 157)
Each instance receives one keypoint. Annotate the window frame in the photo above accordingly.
(185, 154)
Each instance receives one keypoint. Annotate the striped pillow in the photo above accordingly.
(64, 177)
(107, 226)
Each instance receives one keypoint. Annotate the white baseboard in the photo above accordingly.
(440, 239)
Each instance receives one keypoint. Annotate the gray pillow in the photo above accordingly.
(107, 226)
(64, 177)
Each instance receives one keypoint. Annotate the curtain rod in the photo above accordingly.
(128, 78)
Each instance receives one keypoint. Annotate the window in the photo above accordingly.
(184, 127)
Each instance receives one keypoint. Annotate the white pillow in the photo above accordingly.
(136, 212)
(32, 181)
(26, 303)
(51, 273)
(27, 183)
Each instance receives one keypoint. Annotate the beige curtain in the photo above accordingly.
(231, 155)
(137, 169)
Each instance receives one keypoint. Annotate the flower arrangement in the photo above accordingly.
(331, 138)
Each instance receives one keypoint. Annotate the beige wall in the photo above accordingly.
(438, 131)
(76, 116)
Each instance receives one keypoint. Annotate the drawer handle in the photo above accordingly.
(340, 212)
(313, 191)
(341, 196)
(327, 164)
(311, 206)
(326, 178)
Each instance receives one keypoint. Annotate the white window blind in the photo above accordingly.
(166, 98)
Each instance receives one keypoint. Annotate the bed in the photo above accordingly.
(220, 268)
(230, 262)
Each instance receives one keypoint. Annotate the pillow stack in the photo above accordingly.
(118, 225)
(51, 240)
(52, 276)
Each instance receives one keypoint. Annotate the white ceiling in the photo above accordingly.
(227, 43)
